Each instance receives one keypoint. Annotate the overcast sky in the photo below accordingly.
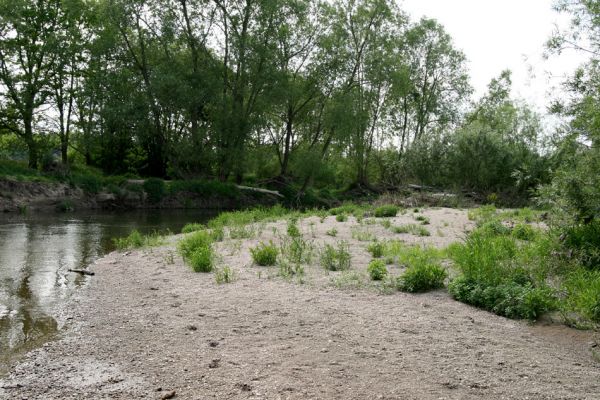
(503, 34)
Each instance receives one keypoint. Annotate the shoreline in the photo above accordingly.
(147, 322)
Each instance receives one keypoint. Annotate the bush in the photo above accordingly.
(189, 244)
(495, 228)
(264, 254)
(201, 260)
(292, 229)
(297, 250)
(421, 277)
(386, 211)
(156, 189)
(341, 218)
(334, 259)
(136, 240)
(376, 249)
(377, 270)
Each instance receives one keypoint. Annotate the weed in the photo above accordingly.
(241, 232)
(224, 275)
(349, 280)
(421, 277)
(386, 223)
(170, 258)
(332, 232)
(297, 250)
(287, 269)
(582, 289)
(136, 240)
(376, 249)
(264, 254)
(292, 229)
(192, 227)
(201, 259)
(362, 236)
(412, 229)
(524, 232)
(189, 244)
(386, 211)
(423, 219)
(336, 259)
(377, 270)
(341, 217)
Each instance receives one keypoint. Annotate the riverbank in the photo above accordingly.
(147, 326)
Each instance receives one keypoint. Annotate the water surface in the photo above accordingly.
(36, 252)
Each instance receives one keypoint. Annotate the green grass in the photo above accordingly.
(422, 276)
(336, 258)
(582, 288)
(377, 270)
(192, 227)
(297, 250)
(202, 259)
(332, 232)
(224, 275)
(386, 211)
(341, 217)
(376, 249)
(136, 240)
(264, 254)
(412, 229)
(292, 229)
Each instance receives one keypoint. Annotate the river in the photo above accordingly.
(36, 252)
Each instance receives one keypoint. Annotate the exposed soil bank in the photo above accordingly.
(147, 326)
(17, 196)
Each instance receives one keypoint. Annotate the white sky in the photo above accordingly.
(504, 34)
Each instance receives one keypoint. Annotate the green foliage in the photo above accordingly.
(377, 270)
(421, 277)
(583, 294)
(336, 259)
(202, 259)
(205, 188)
(156, 189)
(423, 219)
(136, 240)
(297, 250)
(341, 217)
(193, 241)
(292, 229)
(376, 249)
(332, 232)
(224, 275)
(524, 232)
(386, 211)
(413, 229)
(192, 227)
(584, 241)
(264, 254)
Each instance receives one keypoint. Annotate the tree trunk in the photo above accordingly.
(31, 144)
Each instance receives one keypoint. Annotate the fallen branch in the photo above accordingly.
(82, 272)
(259, 190)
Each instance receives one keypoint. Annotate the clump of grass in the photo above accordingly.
(332, 232)
(297, 250)
(192, 227)
(377, 270)
(362, 236)
(264, 254)
(502, 275)
(292, 229)
(582, 289)
(197, 251)
(288, 269)
(386, 211)
(224, 275)
(217, 234)
(341, 217)
(412, 229)
(423, 219)
(241, 232)
(136, 240)
(336, 259)
(422, 277)
(349, 280)
(482, 214)
(376, 249)
(524, 232)
(386, 223)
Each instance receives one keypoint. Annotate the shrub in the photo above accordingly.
(241, 232)
(297, 250)
(192, 227)
(189, 244)
(421, 277)
(341, 217)
(156, 189)
(264, 254)
(386, 211)
(334, 259)
(376, 249)
(377, 270)
(423, 219)
(136, 240)
(288, 269)
(201, 259)
(332, 232)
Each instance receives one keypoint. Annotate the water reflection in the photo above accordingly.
(36, 253)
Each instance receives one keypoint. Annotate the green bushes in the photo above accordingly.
(376, 249)
(155, 188)
(201, 259)
(377, 270)
(264, 254)
(423, 271)
(341, 217)
(197, 251)
(386, 211)
(336, 259)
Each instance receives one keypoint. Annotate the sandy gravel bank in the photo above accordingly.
(147, 326)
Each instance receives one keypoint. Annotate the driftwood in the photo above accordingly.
(168, 395)
(82, 272)
(259, 190)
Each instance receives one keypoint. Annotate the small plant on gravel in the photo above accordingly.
(341, 217)
(386, 211)
(297, 250)
(386, 223)
(332, 232)
(224, 275)
(264, 254)
(287, 268)
(136, 240)
(377, 270)
(336, 259)
(192, 227)
(376, 249)
(292, 229)
(202, 259)
(412, 229)
(189, 244)
(423, 219)
(241, 232)
(421, 277)
(362, 235)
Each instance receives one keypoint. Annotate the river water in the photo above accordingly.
(36, 252)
